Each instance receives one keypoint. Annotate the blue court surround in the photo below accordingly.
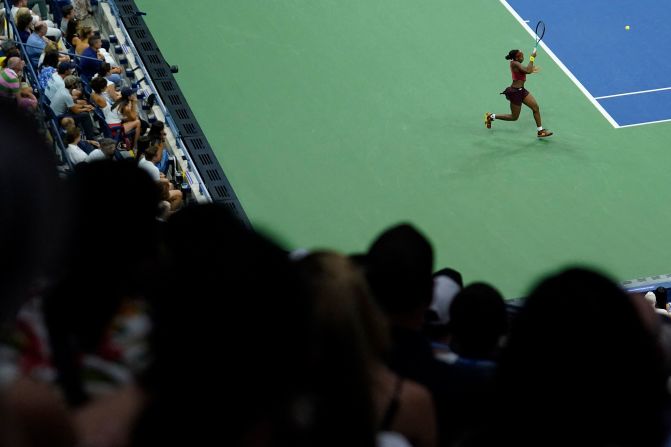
(626, 74)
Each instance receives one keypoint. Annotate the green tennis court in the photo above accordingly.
(334, 120)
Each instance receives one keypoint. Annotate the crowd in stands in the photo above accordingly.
(129, 318)
(57, 67)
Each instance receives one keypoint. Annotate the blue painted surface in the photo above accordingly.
(590, 39)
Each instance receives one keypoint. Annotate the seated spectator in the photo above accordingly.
(477, 324)
(105, 152)
(157, 132)
(9, 79)
(446, 284)
(24, 23)
(48, 70)
(65, 101)
(651, 298)
(81, 40)
(52, 31)
(93, 58)
(71, 32)
(63, 70)
(113, 81)
(68, 14)
(595, 368)
(661, 300)
(126, 107)
(52, 48)
(10, 84)
(168, 191)
(33, 199)
(36, 43)
(263, 402)
(87, 146)
(346, 316)
(112, 118)
(73, 151)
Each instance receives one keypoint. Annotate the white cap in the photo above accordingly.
(652, 299)
(444, 291)
(298, 254)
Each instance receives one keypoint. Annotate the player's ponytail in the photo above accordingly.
(512, 54)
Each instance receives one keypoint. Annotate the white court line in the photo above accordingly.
(561, 65)
(634, 93)
(647, 122)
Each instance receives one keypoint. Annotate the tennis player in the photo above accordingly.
(518, 95)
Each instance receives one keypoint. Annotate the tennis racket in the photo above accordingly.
(540, 32)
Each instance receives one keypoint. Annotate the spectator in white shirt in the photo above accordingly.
(74, 153)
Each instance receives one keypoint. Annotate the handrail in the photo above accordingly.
(33, 75)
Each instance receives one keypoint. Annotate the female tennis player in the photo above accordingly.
(517, 94)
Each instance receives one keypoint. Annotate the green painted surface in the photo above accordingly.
(334, 119)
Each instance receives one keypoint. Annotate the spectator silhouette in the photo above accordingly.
(233, 353)
(576, 372)
(353, 337)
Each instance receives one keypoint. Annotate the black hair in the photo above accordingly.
(512, 54)
(98, 84)
(398, 267)
(67, 9)
(104, 69)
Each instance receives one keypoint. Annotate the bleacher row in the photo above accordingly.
(132, 77)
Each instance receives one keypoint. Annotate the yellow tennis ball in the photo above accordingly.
(627, 27)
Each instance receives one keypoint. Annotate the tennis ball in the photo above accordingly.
(627, 27)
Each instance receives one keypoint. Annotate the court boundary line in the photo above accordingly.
(640, 92)
(647, 122)
(563, 67)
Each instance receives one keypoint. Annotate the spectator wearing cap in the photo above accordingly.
(36, 43)
(447, 283)
(105, 152)
(74, 153)
(126, 108)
